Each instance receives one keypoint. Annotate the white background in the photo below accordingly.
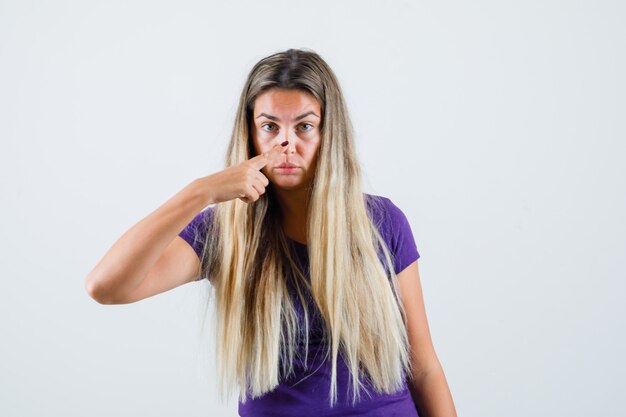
(496, 126)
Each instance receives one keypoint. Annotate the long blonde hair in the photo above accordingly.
(247, 257)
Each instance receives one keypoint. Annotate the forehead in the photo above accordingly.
(286, 101)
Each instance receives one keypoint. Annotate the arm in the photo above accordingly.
(428, 384)
(150, 258)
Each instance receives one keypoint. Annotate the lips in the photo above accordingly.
(287, 166)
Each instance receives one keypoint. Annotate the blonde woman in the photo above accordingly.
(316, 286)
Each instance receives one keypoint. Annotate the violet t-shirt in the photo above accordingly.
(306, 392)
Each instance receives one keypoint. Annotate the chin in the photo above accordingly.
(288, 184)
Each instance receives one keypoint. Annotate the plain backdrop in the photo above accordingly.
(496, 126)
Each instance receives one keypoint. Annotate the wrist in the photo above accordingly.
(201, 192)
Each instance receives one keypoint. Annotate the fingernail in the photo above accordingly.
(284, 143)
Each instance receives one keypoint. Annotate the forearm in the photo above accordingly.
(125, 265)
(431, 394)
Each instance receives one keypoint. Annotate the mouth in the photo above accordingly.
(286, 169)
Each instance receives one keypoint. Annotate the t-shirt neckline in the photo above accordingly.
(296, 242)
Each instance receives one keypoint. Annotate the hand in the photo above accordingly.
(244, 181)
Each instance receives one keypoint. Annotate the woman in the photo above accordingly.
(316, 284)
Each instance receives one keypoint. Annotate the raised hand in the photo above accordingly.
(245, 180)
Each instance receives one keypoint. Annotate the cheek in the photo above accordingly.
(312, 153)
(262, 142)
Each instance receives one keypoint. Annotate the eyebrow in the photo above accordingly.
(276, 119)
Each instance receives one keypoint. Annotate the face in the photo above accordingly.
(295, 116)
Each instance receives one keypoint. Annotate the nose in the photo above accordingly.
(288, 136)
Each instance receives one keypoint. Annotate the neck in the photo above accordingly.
(293, 205)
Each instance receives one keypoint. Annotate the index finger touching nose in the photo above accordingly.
(270, 156)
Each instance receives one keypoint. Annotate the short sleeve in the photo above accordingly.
(195, 232)
(403, 244)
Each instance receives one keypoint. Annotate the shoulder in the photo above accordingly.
(206, 214)
(395, 228)
(383, 211)
(196, 231)
(202, 219)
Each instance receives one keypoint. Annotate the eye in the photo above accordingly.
(267, 124)
(307, 124)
